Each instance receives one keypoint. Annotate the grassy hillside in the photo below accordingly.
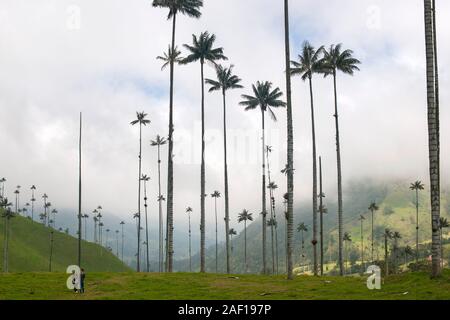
(29, 250)
(180, 286)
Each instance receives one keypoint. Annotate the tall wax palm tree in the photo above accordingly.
(388, 234)
(55, 212)
(310, 62)
(290, 148)
(33, 189)
(142, 122)
(17, 193)
(117, 243)
(336, 59)
(417, 186)
(190, 8)
(433, 130)
(48, 213)
(7, 215)
(2, 187)
(45, 197)
(443, 224)
(203, 51)
(361, 219)
(145, 179)
(158, 142)
(216, 195)
(226, 80)
(189, 212)
(302, 228)
(372, 208)
(122, 223)
(95, 218)
(347, 239)
(51, 252)
(265, 98)
(273, 224)
(396, 236)
(245, 216)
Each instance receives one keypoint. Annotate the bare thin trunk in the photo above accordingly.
(433, 135)
(169, 229)
(160, 213)
(217, 240)
(146, 228)
(321, 216)
(202, 183)
(138, 267)
(290, 140)
(227, 204)
(79, 196)
(264, 220)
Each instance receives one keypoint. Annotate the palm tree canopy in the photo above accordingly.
(272, 186)
(33, 187)
(191, 8)
(361, 218)
(443, 223)
(202, 49)
(388, 233)
(264, 97)
(145, 178)
(4, 203)
(245, 215)
(309, 62)
(347, 237)
(373, 207)
(159, 141)
(302, 227)
(397, 235)
(188, 210)
(232, 232)
(272, 222)
(216, 194)
(140, 118)
(172, 55)
(335, 59)
(225, 79)
(418, 185)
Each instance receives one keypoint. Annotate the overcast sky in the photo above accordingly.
(58, 58)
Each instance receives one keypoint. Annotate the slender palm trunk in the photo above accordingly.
(264, 220)
(202, 181)
(245, 246)
(433, 133)
(339, 174)
(169, 228)
(190, 247)
(227, 203)
(313, 126)
(272, 207)
(138, 263)
(146, 228)
(32, 205)
(79, 195)
(362, 248)
(122, 243)
(95, 231)
(160, 247)
(51, 252)
(386, 263)
(321, 216)
(303, 248)
(85, 228)
(372, 242)
(117, 244)
(217, 240)
(6, 246)
(290, 147)
(417, 226)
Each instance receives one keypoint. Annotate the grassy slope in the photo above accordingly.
(30, 247)
(178, 286)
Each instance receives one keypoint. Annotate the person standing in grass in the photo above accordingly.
(82, 277)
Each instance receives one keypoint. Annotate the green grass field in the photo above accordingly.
(178, 286)
(29, 250)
